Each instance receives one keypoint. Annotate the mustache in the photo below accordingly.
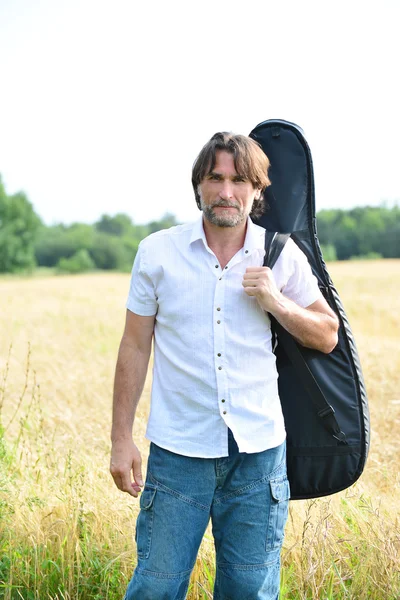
(223, 204)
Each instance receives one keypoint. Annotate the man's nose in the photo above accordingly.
(226, 190)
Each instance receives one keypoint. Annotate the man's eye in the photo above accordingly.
(239, 180)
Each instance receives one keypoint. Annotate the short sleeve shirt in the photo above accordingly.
(214, 367)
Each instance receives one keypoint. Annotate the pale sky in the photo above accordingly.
(104, 104)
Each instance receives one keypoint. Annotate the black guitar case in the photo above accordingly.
(323, 396)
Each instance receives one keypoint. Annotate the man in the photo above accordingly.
(216, 426)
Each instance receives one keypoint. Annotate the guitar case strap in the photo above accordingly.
(274, 244)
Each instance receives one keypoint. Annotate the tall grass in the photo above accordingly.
(67, 533)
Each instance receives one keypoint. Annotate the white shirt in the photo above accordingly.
(213, 363)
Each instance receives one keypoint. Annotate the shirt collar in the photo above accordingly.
(198, 231)
(254, 239)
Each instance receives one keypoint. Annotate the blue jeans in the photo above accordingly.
(246, 496)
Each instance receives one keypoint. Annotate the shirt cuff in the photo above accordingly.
(140, 309)
(306, 299)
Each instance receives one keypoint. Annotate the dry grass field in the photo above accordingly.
(66, 533)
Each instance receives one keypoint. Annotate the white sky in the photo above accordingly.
(105, 104)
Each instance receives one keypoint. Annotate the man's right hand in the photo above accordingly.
(125, 462)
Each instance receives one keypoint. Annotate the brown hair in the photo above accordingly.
(249, 160)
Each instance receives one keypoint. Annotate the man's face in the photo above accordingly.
(226, 197)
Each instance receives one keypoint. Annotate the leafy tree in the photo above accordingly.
(346, 242)
(60, 241)
(119, 224)
(326, 223)
(131, 246)
(389, 242)
(168, 220)
(78, 263)
(110, 252)
(329, 252)
(19, 225)
(370, 228)
(361, 231)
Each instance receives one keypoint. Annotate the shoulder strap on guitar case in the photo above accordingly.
(323, 395)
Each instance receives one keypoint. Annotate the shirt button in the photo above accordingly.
(218, 308)
(220, 278)
(219, 368)
(216, 266)
(226, 267)
(219, 354)
(223, 400)
(224, 412)
(218, 322)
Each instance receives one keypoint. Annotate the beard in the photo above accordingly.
(228, 219)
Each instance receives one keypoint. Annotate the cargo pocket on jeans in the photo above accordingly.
(144, 523)
(278, 512)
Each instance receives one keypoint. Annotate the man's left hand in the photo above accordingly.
(260, 282)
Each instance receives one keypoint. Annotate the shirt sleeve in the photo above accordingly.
(294, 277)
(141, 299)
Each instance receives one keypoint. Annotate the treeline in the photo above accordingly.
(111, 243)
(362, 232)
(27, 243)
